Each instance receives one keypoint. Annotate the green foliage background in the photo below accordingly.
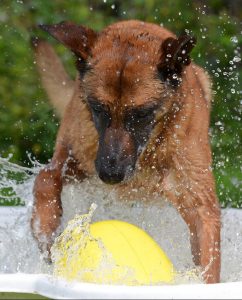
(28, 123)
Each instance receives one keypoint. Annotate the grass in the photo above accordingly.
(16, 296)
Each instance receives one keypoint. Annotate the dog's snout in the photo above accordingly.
(116, 156)
(111, 176)
(111, 161)
(110, 169)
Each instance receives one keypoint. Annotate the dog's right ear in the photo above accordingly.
(79, 39)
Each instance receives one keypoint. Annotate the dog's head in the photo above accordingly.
(128, 79)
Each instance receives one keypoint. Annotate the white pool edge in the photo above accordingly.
(47, 285)
(54, 288)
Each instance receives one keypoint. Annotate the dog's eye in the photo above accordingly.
(139, 118)
(97, 109)
(100, 113)
(142, 114)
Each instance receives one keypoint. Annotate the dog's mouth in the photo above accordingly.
(114, 174)
(111, 178)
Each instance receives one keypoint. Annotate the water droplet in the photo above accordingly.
(234, 39)
(236, 59)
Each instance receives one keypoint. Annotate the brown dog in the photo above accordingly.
(138, 115)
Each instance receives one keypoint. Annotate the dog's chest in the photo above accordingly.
(145, 185)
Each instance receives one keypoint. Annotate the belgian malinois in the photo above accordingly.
(138, 116)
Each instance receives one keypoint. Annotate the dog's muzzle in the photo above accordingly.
(116, 156)
(112, 171)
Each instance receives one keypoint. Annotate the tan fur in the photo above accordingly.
(56, 81)
(176, 161)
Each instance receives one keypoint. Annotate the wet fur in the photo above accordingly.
(175, 162)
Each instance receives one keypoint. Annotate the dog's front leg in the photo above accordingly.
(195, 199)
(204, 225)
(47, 210)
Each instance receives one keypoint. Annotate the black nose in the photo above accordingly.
(110, 176)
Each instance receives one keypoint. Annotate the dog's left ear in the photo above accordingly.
(79, 39)
(174, 57)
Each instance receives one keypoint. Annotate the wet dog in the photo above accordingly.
(138, 116)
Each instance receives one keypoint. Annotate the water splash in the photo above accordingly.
(19, 251)
(13, 179)
(72, 249)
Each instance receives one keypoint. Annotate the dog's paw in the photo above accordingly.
(45, 238)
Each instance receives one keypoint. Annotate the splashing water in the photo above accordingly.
(71, 243)
(19, 251)
(71, 247)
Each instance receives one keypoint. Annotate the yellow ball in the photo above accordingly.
(114, 252)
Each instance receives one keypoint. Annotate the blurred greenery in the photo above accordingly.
(28, 123)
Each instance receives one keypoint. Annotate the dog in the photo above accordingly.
(138, 116)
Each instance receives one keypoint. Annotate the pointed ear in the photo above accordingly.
(79, 39)
(174, 56)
